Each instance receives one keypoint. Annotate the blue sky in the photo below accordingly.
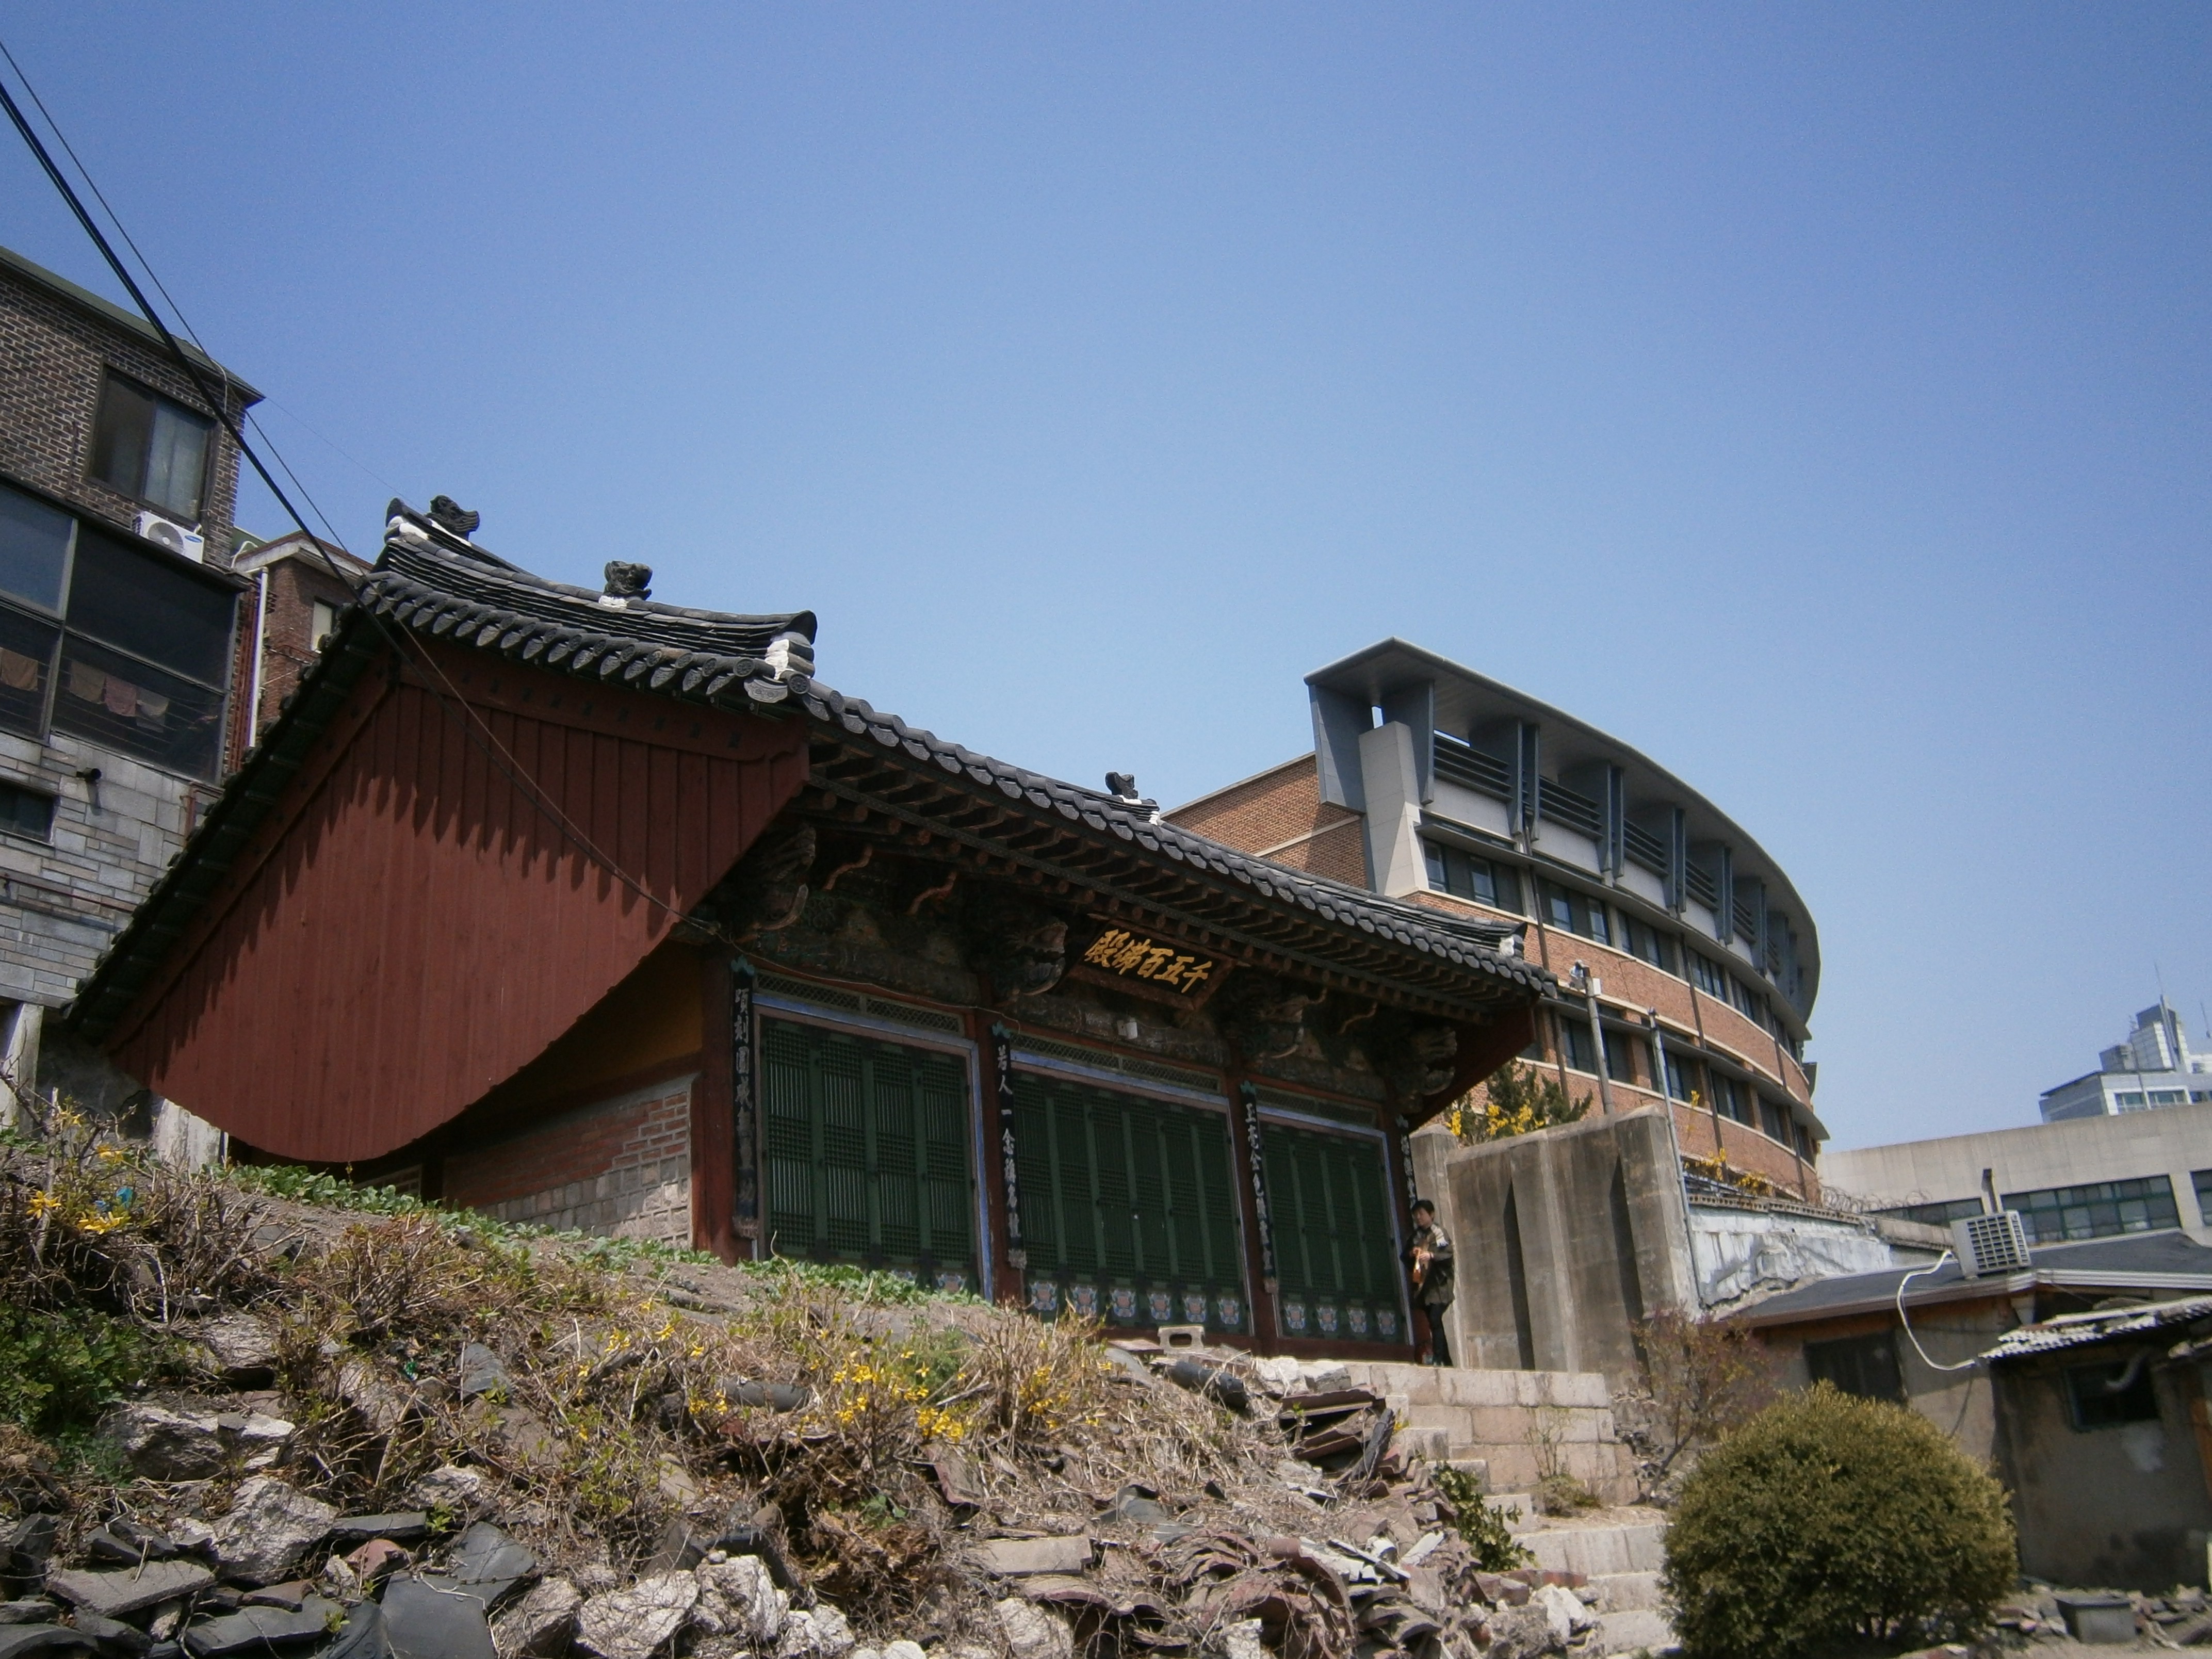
(1815, 397)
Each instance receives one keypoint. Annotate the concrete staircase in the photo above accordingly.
(1516, 1422)
(1616, 1555)
(1518, 1425)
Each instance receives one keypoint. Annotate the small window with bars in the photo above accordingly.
(26, 813)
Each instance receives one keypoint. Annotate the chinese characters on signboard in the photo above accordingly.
(1130, 956)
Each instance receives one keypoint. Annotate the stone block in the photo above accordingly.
(1013, 1558)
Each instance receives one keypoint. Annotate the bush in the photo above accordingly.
(58, 1370)
(1487, 1531)
(1829, 1524)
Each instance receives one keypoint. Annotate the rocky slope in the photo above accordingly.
(242, 1423)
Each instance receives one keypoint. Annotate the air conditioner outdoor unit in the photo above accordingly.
(172, 535)
(1991, 1244)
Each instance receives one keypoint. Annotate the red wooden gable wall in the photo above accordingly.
(407, 930)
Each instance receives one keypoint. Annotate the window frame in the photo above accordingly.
(64, 632)
(112, 376)
(2137, 1403)
(11, 790)
(1855, 1351)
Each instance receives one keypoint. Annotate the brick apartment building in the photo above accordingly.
(1431, 783)
(120, 653)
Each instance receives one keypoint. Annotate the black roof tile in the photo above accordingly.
(432, 582)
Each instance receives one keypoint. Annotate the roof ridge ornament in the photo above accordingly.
(450, 516)
(626, 581)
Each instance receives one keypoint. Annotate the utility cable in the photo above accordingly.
(1921, 1272)
(459, 708)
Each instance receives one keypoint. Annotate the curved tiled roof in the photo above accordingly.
(437, 585)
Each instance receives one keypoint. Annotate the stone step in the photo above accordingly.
(1527, 1521)
(1628, 1592)
(1636, 1630)
(1598, 1551)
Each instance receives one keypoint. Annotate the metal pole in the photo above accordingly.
(1589, 985)
(1675, 1144)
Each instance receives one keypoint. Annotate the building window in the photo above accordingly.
(323, 621)
(2169, 1096)
(1861, 1365)
(1936, 1215)
(1681, 1077)
(1735, 1100)
(1577, 913)
(2201, 1180)
(145, 446)
(109, 640)
(1620, 1056)
(2129, 1101)
(1575, 1045)
(1708, 976)
(2107, 1396)
(26, 813)
(1466, 876)
(1774, 1122)
(1649, 942)
(2100, 1209)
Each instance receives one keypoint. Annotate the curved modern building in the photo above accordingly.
(1700, 962)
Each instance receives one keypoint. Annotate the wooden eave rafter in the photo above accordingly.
(998, 836)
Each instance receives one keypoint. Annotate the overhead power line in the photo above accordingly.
(456, 706)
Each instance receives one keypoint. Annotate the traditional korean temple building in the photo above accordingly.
(581, 909)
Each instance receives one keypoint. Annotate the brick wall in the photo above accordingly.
(1280, 815)
(53, 353)
(623, 1166)
(288, 647)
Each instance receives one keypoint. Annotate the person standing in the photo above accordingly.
(1429, 1261)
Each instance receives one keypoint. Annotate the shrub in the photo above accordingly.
(1703, 1379)
(1829, 1522)
(58, 1370)
(1517, 1100)
(1487, 1530)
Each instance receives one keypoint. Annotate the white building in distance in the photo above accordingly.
(2152, 1067)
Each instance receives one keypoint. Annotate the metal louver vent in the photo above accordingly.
(1991, 1244)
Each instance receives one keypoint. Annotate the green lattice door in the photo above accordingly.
(1336, 1254)
(1129, 1208)
(867, 1153)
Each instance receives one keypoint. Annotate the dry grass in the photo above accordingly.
(621, 1413)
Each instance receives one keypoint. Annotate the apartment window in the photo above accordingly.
(2100, 1209)
(1577, 913)
(1708, 976)
(323, 622)
(146, 445)
(1735, 1100)
(109, 640)
(1683, 1076)
(2169, 1096)
(1465, 875)
(26, 813)
(2129, 1100)
(1775, 1122)
(1861, 1365)
(1649, 942)
(2201, 1180)
(2109, 1395)
(1574, 1045)
(1748, 1002)
(1620, 1056)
